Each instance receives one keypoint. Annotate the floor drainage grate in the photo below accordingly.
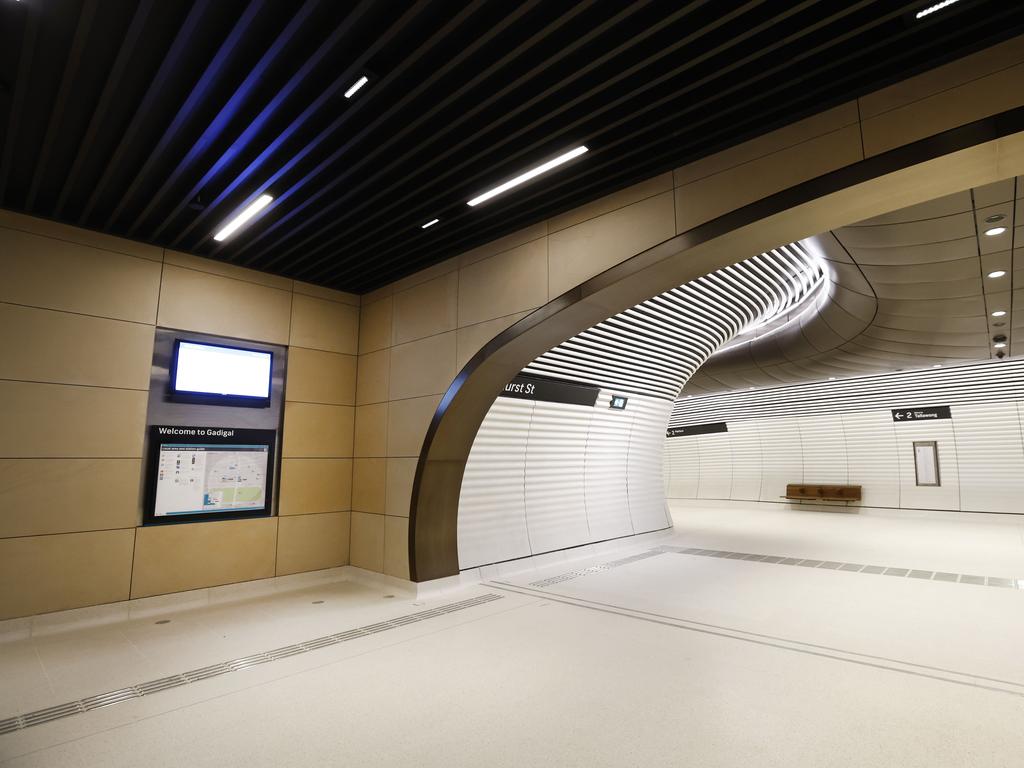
(593, 569)
(832, 565)
(101, 700)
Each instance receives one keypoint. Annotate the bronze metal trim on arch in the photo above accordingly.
(433, 513)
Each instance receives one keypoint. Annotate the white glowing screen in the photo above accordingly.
(214, 370)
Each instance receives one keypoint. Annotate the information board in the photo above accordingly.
(201, 473)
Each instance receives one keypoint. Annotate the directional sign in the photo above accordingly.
(697, 429)
(900, 415)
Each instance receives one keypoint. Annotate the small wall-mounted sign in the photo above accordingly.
(697, 429)
(618, 402)
(900, 415)
(531, 388)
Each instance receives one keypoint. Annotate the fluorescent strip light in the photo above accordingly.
(933, 8)
(524, 177)
(355, 87)
(430, 223)
(255, 207)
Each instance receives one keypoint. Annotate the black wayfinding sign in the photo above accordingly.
(697, 429)
(548, 390)
(921, 414)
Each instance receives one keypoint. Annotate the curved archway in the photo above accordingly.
(976, 153)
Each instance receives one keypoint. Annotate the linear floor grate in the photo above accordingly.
(877, 570)
(101, 700)
(594, 569)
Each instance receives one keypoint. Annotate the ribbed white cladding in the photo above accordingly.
(654, 347)
(575, 475)
(980, 449)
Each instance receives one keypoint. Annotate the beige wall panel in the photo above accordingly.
(175, 558)
(65, 348)
(70, 570)
(511, 282)
(587, 249)
(368, 485)
(711, 197)
(317, 431)
(55, 420)
(56, 274)
(189, 261)
(787, 136)
(428, 273)
(371, 433)
(310, 486)
(612, 202)
(427, 309)
(502, 244)
(312, 542)
(367, 542)
(72, 234)
(396, 547)
(375, 325)
(407, 424)
(470, 339)
(372, 380)
(956, 73)
(326, 325)
(424, 367)
(207, 303)
(41, 496)
(319, 292)
(947, 109)
(400, 475)
(321, 377)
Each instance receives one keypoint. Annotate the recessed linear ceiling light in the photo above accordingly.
(997, 273)
(995, 231)
(355, 87)
(999, 344)
(253, 208)
(532, 173)
(430, 223)
(999, 313)
(933, 8)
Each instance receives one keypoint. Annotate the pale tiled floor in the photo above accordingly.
(671, 660)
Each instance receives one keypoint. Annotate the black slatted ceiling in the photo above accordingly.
(156, 120)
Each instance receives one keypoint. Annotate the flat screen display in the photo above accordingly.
(220, 372)
(209, 473)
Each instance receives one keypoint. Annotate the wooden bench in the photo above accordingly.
(812, 492)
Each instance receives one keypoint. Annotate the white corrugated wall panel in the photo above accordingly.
(824, 449)
(782, 457)
(492, 505)
(683, 457)
(990, 457)
(715, 466)
(946, 496)
(605, 475)
(647, 508)
(746, 460)
(555, 510)
(872, 458)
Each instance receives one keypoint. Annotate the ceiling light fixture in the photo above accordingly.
(933, 8)
(999, 313)
(430, 223)
(994, 218)
(937, 365)
(356, 86)
(995, 231)
(999, 344)
(997, 273)
(526, 176)
(240, 220)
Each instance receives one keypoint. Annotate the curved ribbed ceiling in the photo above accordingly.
(654, 347)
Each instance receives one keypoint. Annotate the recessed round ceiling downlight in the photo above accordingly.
(994, 231)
